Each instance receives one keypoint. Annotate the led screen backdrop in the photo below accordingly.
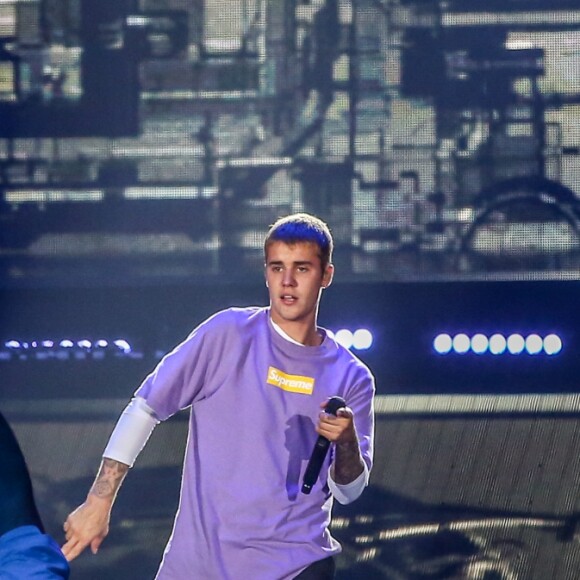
(144, 139)
(145, 147)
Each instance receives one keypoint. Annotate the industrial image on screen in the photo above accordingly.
(147, 147)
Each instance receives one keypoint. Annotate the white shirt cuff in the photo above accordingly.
(347, 493)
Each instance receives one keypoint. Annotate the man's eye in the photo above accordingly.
(303, 269)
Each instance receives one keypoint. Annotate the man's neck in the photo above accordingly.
(297, 333)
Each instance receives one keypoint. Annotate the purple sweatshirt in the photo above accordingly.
(255, 400)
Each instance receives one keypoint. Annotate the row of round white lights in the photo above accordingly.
(66, 343)
(497, 344)
(360, 339)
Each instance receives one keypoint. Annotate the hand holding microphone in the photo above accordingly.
(320, 448)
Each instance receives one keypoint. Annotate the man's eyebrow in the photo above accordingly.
(296, 263)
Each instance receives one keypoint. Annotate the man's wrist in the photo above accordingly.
(346, 493)
(99, 501)
(349, 445)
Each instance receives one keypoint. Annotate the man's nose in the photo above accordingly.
(288, 279)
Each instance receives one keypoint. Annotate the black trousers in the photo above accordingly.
(321, 570)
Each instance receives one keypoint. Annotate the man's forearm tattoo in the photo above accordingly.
(349, 463)
(109, 478)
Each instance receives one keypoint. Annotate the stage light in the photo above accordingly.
(344, 337)
(442, 343)
(359, 339)
(552, 344)
(461, 343)
(534, 344)
(497, 344)
(66, 348)
(123, 345)
(515, 343)
(362, 339)
(479, 343)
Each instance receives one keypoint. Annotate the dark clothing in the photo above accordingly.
(321, 570)
(17, 507)
(25, 550)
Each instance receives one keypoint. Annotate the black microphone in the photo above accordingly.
(320, 448)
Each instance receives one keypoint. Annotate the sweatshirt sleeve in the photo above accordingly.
(180, 377)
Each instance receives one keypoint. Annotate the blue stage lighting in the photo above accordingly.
(552, 344)
(479, 343)
(64, 349)
(515, 343)
(534, 344)
(123, 345)
(443, 343)
(362, 339)
(497, 344)
(461, 343)
(344, 337)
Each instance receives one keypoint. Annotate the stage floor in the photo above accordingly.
(464, 487)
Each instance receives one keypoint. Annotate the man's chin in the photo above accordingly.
(288, 314)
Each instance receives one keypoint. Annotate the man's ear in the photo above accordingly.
(327, 276)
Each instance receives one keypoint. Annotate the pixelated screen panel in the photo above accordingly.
(436, 143)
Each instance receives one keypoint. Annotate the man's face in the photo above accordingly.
(295, 279)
